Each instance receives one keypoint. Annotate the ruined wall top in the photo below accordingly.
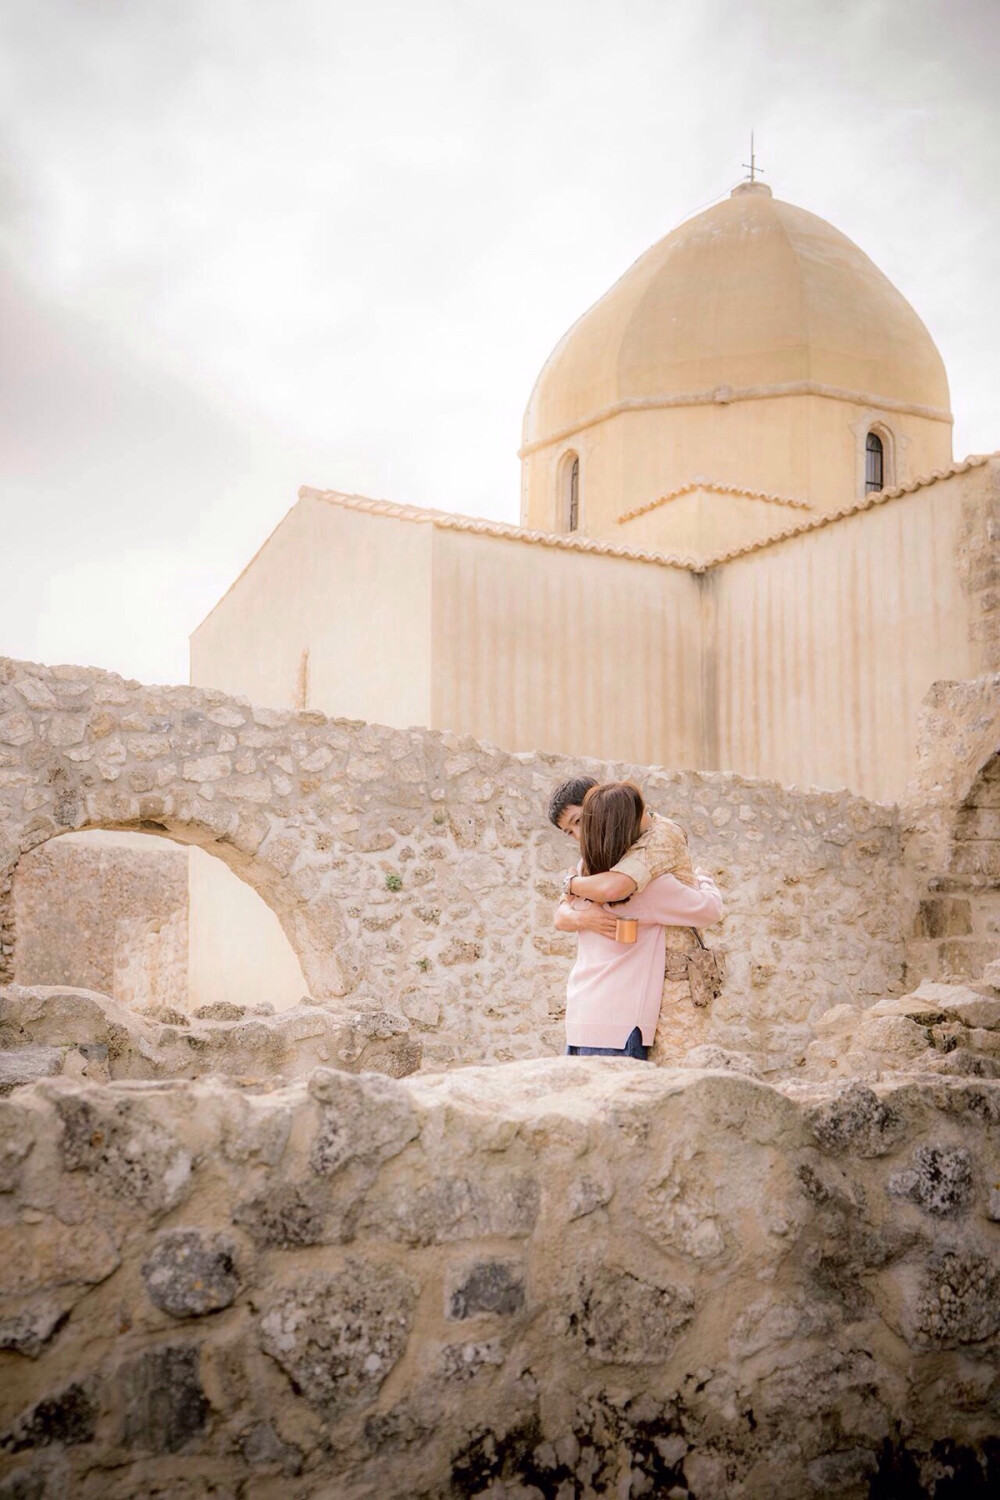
(414, 869)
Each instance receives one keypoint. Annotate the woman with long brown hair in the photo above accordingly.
(614, 989)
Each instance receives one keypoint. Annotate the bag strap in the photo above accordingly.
(701, 940)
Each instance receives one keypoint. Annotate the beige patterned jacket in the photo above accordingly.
(662, 850)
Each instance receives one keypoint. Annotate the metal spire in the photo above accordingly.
(751, 165)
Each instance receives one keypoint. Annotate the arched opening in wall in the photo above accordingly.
(874, 463)
(148, 921)
(878, 459)
(974, 878)
(958, 923)
(568, 499)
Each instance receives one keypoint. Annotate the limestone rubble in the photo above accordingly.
(49, 1030)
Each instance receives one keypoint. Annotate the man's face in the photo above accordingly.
(569, 821)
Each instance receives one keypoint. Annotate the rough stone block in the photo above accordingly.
(28, 1064)
(69, 1417)
(207, 768)
(127, 1152)
(220, 1010)
(165, 1404)
(457, 1208)
(974, 1010)
(48, 1253)
(262, 1447)
(367, 1118)
(16, 728)
(30, 1329)
(338, 1336)
(838, 1020)
(965, 958)
(36, 693)
(944, 916)
(622, 1320)
(487, 1287)
(461, 1362)
(940, 1180)
(896, 1038)
(922, 1012)
(283, 1218)
(708, 1055)
(958, 1300)
(190, 1273)
(856, 1121)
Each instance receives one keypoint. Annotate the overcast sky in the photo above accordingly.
(251, 244)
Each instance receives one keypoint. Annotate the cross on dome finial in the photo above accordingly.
(751, 165)
(751, 184)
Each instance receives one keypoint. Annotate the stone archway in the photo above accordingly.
(412, 870)
(150, 923)
(970, 891)
(82, 749)
(952, 813)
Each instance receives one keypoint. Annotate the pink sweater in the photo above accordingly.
(615, 987)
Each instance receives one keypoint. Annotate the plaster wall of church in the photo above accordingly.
(807, 448)
(305, 626)
(543, 648)
(825, 644)
(333, 613)
(237, 950)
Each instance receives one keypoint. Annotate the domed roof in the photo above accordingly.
(754, 294)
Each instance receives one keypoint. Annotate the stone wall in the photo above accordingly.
(556, 1278)
(414, 871)
(151, 961)
(979, 564)
(951, 831)
(958, 923)
(79, 908)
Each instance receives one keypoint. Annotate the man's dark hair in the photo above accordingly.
(569, 794)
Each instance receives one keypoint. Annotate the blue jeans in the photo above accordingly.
(632, 1048)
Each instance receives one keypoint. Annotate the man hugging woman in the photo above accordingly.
(642, 974)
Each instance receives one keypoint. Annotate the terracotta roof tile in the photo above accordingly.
(447, 521)
(716, 489)
(879, 497)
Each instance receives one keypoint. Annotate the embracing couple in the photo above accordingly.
(642, 974)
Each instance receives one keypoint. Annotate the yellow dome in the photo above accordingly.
(754, 297)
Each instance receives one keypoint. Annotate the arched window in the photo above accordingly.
(569, 492)
(874, 464)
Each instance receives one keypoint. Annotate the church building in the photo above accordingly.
(744, 543)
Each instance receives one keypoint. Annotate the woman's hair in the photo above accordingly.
(609, 824)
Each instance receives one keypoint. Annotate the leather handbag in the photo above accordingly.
(706, 972)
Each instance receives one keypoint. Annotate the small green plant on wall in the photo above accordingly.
(394, 882)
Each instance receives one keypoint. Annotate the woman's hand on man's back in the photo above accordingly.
(594, 918)
(589, 918)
